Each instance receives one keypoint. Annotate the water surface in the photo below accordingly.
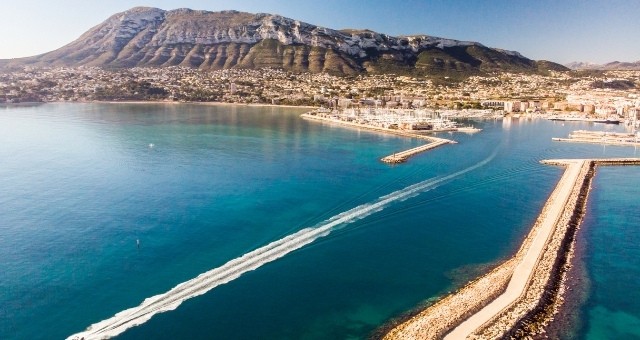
(201, 185)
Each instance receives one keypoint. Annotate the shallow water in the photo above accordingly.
(201, 185)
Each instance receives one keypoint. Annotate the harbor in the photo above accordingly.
(602, 137)
(611, 120)
(413, 120)
(409, 123)
(519, 296)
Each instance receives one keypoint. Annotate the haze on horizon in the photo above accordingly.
(598, 31)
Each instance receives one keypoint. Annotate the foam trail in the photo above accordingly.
(250, 261)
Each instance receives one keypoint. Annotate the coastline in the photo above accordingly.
(137, 102)
(545, 287)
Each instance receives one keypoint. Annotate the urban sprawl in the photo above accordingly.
(604, 95)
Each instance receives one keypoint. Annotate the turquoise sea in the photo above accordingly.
(612, 256)
(198, 186)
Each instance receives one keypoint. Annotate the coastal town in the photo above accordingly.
(389, 103)
(566, 95)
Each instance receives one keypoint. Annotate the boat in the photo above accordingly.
(606, 121)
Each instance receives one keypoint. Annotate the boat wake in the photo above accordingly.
(252, 260)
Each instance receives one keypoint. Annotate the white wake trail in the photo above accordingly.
(250, 261)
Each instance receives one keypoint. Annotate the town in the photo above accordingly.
(570, 95)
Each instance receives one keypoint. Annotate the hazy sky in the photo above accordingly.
(561, 31)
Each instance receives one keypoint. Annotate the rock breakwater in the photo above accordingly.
(489, 307)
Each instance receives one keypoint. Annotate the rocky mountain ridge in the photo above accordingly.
(612, 66)
(154, 37)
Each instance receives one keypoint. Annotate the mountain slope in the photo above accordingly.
(615, 65)
(153, 37)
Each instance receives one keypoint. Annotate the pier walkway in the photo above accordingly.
(524, 270)
(402, 156)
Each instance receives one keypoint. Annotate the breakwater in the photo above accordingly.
(519, 297)
(398, 157)
(601, 137)
(402, 156)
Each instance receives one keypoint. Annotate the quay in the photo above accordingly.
(601, 137)
(398, 157)
(519, 296)
(402, 156)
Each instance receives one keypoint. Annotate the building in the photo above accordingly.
(493, 104)
(512, 106)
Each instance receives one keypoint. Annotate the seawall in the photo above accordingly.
(519, 297)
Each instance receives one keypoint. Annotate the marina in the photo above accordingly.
(414, 120)
(398, 123)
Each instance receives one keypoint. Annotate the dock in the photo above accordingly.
(398, 157)
(518, 295)
(601, 137)
(402, 156)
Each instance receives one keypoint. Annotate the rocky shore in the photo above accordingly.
(436, 320)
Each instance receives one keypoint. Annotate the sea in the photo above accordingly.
(104, 205)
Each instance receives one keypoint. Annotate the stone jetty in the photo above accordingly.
(602, 137)
(402, 156)
(519, 297)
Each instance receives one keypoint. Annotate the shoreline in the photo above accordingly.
(139, 102)
(541, 293)
(170, 102)
(394, 158)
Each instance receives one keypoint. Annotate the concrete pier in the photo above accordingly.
(524, 269)
(402, 156)
(398, 157)
(601, 137)
(496, 304)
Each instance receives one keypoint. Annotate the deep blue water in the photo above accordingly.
(201, 185)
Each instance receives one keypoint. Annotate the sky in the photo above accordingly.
(562, 31)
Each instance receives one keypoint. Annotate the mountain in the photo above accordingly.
(153, 37)
(616, 65)
(581, 65)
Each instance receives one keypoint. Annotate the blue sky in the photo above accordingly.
(561, 31)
